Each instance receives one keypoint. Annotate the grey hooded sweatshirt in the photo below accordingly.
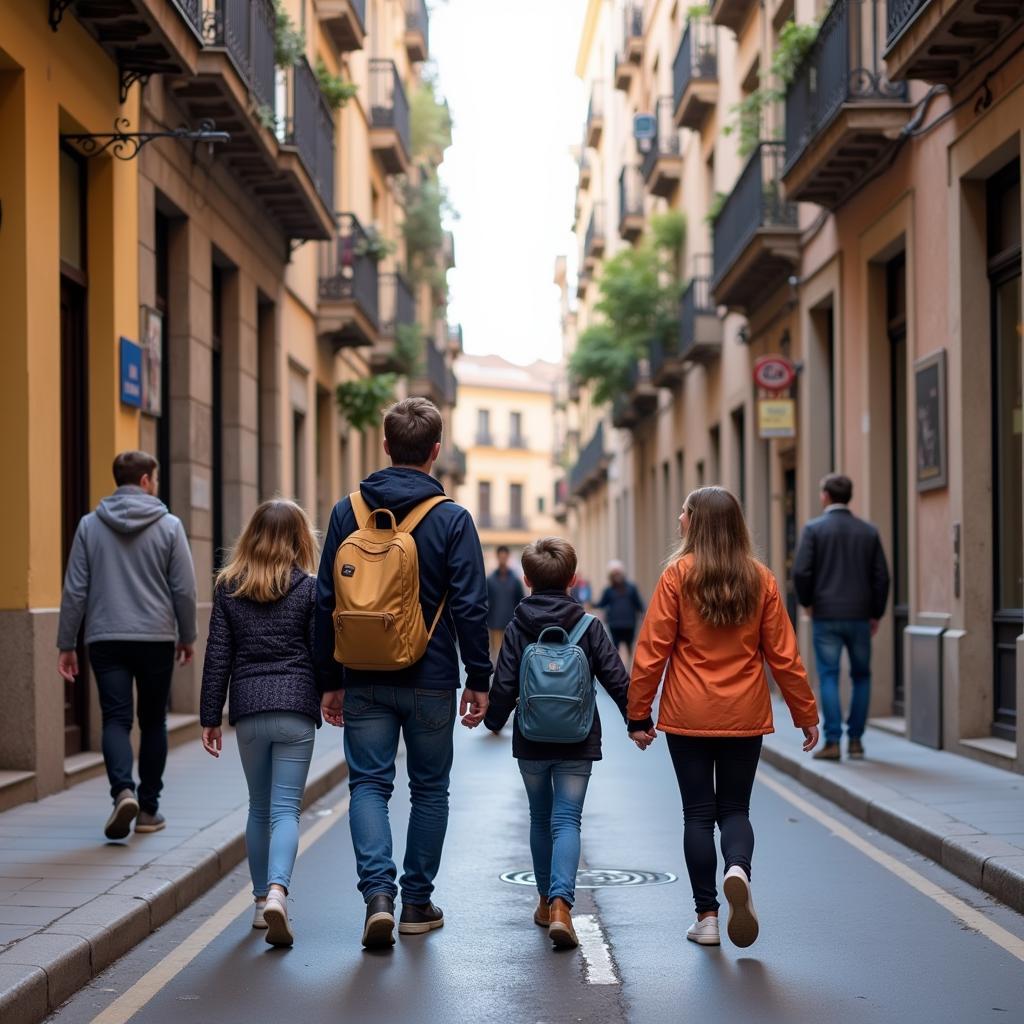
(130, 574)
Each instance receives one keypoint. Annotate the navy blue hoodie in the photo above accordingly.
(451, 562)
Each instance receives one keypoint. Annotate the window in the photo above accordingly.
(680, 482)
(740, 442)
(540, 506)
(483, 426)
(483, 502)
(216, 416)
(515, 506)
(715, 454)
(298, 453)
(515, 430)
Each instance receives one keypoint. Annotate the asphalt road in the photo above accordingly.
(844, 938)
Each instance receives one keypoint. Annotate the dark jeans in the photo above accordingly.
(375, 716)
(623, 635)
(715, 775)
(150, 664)
(830, 637)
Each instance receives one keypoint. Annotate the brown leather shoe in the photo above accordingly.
(542, 915)
(855, 750)
(829, 752)
(561, 931)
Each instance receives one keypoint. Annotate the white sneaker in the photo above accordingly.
(258, 920)
(275, 913)
(704, 933)
(743, 927)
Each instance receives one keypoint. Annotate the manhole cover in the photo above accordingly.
(598, 878)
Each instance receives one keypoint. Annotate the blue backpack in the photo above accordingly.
(557, 697)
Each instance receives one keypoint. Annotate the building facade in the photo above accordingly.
(851, 189)
(201, 297)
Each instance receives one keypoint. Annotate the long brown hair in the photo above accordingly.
(277, 540)
(724, 582)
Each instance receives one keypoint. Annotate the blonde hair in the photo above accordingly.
(724, 581)
(277, 540)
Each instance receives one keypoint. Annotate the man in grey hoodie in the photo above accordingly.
(130, 576)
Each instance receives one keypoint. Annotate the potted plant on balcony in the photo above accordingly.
(289, 41)
(361, 401)
(336, 91)
(374, 246)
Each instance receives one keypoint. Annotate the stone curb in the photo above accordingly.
(984, 861)
(39, 973)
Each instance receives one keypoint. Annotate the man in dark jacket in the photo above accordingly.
(621, 605)
(840, 573)
(504, 592)
(417, 702)
(130, 577)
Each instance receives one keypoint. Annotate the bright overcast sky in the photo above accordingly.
(507, 68)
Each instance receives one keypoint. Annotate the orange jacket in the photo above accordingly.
(714, 682)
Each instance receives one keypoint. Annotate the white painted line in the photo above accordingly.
(597, 956)
(122, 1009)
(960, 910)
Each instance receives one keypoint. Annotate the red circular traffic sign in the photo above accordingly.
(774, 373)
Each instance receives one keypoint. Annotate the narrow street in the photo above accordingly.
(819, 897)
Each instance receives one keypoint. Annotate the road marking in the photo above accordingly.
(957, 907)
(597, 956)
(122, 1009)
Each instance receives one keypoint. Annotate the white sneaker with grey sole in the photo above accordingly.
(275, 913)
(258, 920)
(704, 933)
(743, 926)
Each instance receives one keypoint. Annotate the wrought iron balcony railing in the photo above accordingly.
(437, 372)
(631, 45)
(245, 28)
(417, 26)
(843, 66)
(631, 202)
(397, 303)
(696, 58)
(389, 107)
(310, 128)
(666, 140)
(193, 13)
(755, 202)
(347, 271)
(594, 239)
(899, 14)
(595, 114)
(591, 464)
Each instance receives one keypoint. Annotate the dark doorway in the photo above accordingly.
(163, 306)
(217, 418)
(896, 321)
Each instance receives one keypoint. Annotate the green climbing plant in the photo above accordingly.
(715, 209)
(430, 123)
(374, 245)
(337, 92)
(408, 349)
(289, 40)
(362, 401)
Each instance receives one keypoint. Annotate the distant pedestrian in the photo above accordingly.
(259, 657)
(580, 591)
(841, 575)
(388, 687)
(622, 605)
(555, 772)
(504, 592)
(130, 577)
(715, 619)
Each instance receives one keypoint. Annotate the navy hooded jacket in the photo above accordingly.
(451, 562)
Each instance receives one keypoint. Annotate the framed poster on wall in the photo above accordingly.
(152, 360)
(930, 421)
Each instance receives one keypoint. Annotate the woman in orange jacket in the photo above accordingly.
(714, 620)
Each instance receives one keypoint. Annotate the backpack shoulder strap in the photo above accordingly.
(419, 513)
(580, 628)
(360, 510)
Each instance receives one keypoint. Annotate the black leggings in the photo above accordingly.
(715, 775)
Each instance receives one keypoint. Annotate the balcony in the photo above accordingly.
(695, 74)
(397, 308)
(281, 153)
(842, 112)
(756, 238)
(938, 41)
(582, 283)
(143, 37)
(344, 21)
(560, 501)
(389, 117)
(631, 51)
(636, 404)
(434, 379)
(349, 287)
(700, 331)
(455, 344)
(514, 522)
(591, 467)
(662, 165)
(584, 164)
(594, 239)
(631, 204)
(451, 463)
(595, 116)
(732, 13)
(484, 439)
(417, 30)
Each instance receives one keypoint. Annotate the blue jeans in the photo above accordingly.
(375, 716)
(556, 791)
(830, 636)
(276, 748)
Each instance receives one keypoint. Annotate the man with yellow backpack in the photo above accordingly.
(401, 582)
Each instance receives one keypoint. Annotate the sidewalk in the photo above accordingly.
(964, 815)
(71, 902)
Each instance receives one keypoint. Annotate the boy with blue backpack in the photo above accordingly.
(551, 654)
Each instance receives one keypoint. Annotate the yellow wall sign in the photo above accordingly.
(776, 417)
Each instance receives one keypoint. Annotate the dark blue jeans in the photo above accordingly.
(830, 637)
(375, 717)
(150, 665)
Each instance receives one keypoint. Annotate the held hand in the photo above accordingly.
(183, 654)
(332, 707)
(473, 707)
(874, 627)
(67, 665)
(212, 740)
(810, 737)
(643, 738)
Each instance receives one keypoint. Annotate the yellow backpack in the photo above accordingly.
(378, 620)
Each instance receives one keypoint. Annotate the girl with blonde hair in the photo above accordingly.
(259, 656)
(714, 621)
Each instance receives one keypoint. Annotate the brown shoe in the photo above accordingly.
(561, 931)
(829, 752)
(542, 915)
(855, 750)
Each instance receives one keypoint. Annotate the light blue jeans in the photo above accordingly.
(556, 791)
(276, 748)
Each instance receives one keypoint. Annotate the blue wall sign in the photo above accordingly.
(131, 373)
